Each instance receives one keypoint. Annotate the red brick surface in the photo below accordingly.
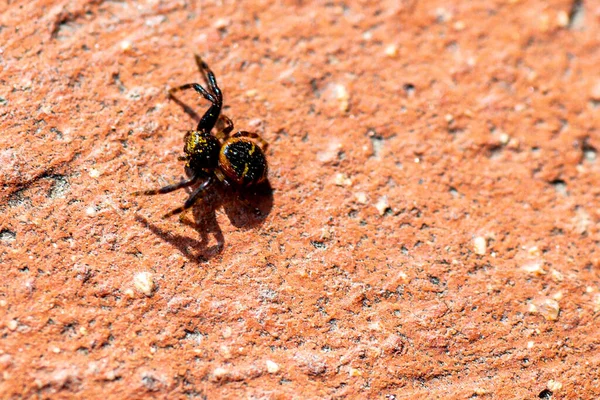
(432, 233)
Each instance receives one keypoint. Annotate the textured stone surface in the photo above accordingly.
(433, 229)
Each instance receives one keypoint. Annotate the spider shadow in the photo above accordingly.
(186, 109)
(244, 209)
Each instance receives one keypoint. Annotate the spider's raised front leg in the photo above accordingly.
(210, 117)
(209, 77)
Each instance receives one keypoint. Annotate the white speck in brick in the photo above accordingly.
(272, 367)
(480, 245)
(382, 205)
(534, 268)
(554, 386)
(144, 282)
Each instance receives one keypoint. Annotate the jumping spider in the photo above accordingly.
(235, 160)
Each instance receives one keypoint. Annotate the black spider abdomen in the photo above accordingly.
(243, 161)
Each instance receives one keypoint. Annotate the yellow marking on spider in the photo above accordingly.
(245, 170)
(252, 149)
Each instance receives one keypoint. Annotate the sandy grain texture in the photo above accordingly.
(433, 228)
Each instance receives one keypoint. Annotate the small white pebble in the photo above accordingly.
(367, 36)
(391, 50)
(459, 25)
(46, 109)
(402, 276)
(533, 252)
(534, 268)
(12, 324)
(504, 138)
(554, 385)
(144, 283)
(227, 332)
(225, 352)
(549, 309)
(589, 289)
(590, 155)
(342, 180)
(110, 376)
(382, 205)
(532, 76)
(90, 211)
(530, 344)
(375, 326)
(272, 367)
(251, 93)
(532, 308)
(83, 330)
(129, 293)
(354, 372)
(361, 197)
(221, 23)
(219, 372)
(557, 296)
(94, 173)
(480, 245)
(343, 97)
(126, 45)
(449, 117)
(480, 391)
(331, 152)
(152, 21)
(3, 303)
(55, 350)
(562, 18)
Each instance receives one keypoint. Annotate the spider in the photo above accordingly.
(236, 160)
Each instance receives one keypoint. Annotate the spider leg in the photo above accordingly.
(197, 87)
(167, 189)
(221, 177)
(253, 135)
(224, 127)
(209, 76)
(210, 117)
(196, 194)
